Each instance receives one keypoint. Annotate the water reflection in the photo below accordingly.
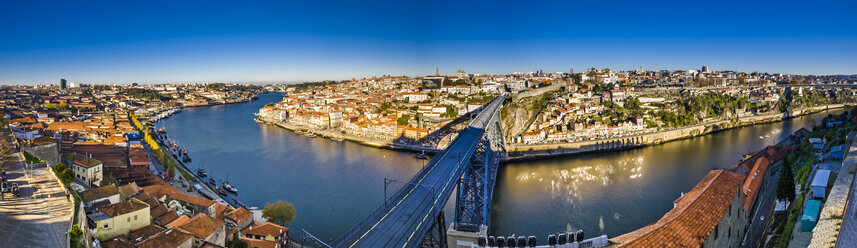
(617, 192)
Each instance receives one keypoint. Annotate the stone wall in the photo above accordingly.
(827, 229)
(730, 231)
(535, 92)
(49, 153)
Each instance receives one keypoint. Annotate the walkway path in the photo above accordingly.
(40, 216)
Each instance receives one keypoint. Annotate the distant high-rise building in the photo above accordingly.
(437, 71)
(704, 68)
(461, 73)
(62, 83)
(571, 71)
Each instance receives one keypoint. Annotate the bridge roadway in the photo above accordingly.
(406, 218)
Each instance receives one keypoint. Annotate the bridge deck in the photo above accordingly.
(406, 218)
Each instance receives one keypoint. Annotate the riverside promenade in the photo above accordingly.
(550, 150)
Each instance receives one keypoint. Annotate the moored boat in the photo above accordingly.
(220, 191)
(230, 188)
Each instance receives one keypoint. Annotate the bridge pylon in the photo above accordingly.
(476, 188)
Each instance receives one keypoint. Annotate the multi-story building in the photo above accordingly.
(119, 219)
(709, 215)
(86, 170)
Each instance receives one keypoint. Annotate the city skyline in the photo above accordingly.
(286, 42)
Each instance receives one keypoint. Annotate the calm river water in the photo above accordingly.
(335, 184)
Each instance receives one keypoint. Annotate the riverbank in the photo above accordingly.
(517, 153)
(356, 139)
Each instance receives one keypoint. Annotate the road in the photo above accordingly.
(40, 216)
(404, 220)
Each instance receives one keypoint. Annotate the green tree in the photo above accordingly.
(236, 242)
(786, 183)
(280, 213)
(403, 121)
(171, 169)
(74, 236)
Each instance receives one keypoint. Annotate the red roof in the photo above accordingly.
(753, 182)
(694, 216)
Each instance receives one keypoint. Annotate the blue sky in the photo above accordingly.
(247, 41)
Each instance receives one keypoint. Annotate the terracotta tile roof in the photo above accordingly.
(181, 220)
(259, 243)
(146, 232)
(753, 181)
(265, 229)
(161, 189)
(168, 238)
(239, 214)
(694, 217)
(148, 199)
(775, 153)
(170, 216)
(158, 211)
(210, 245)
(195, 200)
(138, 157)
(82, 161)
(124, 207)
(117, 243)
(220, 209)
(201, 225)
(44, 140)
(108, 155)
(67, 126)
(100, 192)
(129, 189)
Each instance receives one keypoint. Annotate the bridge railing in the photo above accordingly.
(350, 235)
(380, 210)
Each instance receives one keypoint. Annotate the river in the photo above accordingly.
(333, 184)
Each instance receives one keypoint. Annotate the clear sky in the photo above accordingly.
(198, 41)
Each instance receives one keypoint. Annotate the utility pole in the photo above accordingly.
(387, 181)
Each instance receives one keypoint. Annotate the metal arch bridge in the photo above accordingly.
(413, 216)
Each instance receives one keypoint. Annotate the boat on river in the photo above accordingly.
(230, 188)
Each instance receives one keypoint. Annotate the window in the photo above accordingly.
(105, 225)
(730, 232)
(716, 231)
(135, 217)
(129, 219)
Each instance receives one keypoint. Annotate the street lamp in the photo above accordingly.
(387, 181)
